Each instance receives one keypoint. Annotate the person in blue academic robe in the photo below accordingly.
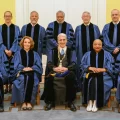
(4, 73)
(85, 34)
(111, 36)
(57, 27)
(26, 70)
(60, 64)
(97, 75)
(9, 42)
(117, 69)
(37, 32)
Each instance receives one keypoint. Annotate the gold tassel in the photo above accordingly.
(87, 75)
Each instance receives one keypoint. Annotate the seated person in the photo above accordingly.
(27, 73)
(118, 81)
(97, 71)
(4, 73)
(61, 62)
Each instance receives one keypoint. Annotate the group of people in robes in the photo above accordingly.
(86, 63)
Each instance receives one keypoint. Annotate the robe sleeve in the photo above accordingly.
(43, 39)
(108, 46)
(84, 65)
(50, 64)
(77, 38)
(70, 36)
(23, 31)
(4, 66)
(109, 63)
(16, 39)
(72, 66)
(50, 37)
(16, 65)
(97, 32)
(37, 67)
(2, 46)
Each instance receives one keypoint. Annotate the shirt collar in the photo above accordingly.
(33, 25)
(115, 23)
(63, 48)
(87, 24)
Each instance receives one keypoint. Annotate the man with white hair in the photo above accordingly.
(61, 62)
(85, 34)
(57, 27)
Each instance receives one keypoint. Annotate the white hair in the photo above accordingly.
(60, 11)
(62, 34)
(86, 12)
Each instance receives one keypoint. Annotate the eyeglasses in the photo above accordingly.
(7, 16)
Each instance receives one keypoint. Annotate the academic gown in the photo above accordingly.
(84, 44)
(9, 37)
(53, 29)
(38, 34)
(117, 69)
(107, 77)
(4, 73)
(108, 33)
(52, 58)
(19, 90)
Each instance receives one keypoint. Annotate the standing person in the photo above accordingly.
(36, 31)
(10, 35)
(85, 34)
(26, 73)
(57, 27)
(97, 75)
(111, 36)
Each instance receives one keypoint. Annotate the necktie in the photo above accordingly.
(32, 32)
(115, 35)
(62, 52)
(88, 38)
(60, 27)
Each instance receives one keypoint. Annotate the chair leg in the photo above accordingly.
(15, 104)
(109, 102)
(38, 96)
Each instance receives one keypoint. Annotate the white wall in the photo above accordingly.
(73, 10)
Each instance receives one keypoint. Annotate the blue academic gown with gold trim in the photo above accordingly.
(79, 46)
(107, 76)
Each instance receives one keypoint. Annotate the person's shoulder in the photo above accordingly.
(51, 23)
(107, 25)
(25, 25)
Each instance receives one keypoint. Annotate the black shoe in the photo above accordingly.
(1, 109)
(48, 106)
(72, 107)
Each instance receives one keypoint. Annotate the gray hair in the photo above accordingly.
(60, 11)
(62, 34)
(34, 12)
(86, 12)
